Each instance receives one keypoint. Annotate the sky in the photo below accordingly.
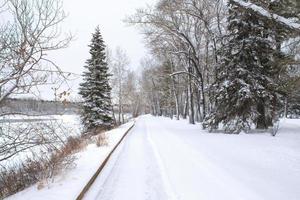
(84, 17)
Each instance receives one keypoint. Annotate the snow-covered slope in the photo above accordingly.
(70, 183)
(168, 159)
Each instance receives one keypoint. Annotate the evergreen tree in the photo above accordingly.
(286, 39)
(95, 88)
(285, 8)
(289, 77)
(245, 89)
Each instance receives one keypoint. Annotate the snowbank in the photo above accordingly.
(70, 184)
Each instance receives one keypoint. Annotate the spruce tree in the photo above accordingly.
(245, 91)
(95, 89)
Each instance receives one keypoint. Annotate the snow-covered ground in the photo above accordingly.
(70, 183)
(168, 159)
(63, 125)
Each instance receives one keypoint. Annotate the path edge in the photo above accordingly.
(94, 177)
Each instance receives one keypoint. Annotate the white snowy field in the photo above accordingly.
(165, 159)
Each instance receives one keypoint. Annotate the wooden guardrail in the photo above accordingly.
(94, 177)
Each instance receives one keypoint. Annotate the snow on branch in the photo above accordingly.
(183, 72)
(291, 23)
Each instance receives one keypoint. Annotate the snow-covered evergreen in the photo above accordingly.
(245, 87)
(95, 88)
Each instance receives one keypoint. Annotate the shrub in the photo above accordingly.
(39, 168)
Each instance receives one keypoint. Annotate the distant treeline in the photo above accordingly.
(38, 107)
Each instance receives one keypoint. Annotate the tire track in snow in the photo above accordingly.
(135, 174)
(171, 194)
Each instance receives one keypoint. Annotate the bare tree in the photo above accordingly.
(132, 96)
(188, 32)
(119, 63)
(31, 30)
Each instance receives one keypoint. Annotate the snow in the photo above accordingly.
(169, 159)
(70, 183)
(288, 22)
(64, 125)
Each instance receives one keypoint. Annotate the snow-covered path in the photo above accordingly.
(165, 159)
(133, 172)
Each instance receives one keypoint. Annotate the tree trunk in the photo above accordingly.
(186, 105)
(122, 114)
(191, 99)
(119, 116)
(285, 107)
(177, 106)
(198, 105)
(203, 98)
(175, 95)
(261, 120)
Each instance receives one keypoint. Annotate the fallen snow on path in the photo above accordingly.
(71, 183)
(167, 159)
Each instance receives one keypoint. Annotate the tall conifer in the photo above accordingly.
(95, 89)
(245, 88)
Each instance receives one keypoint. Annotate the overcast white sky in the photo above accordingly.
(85, 15)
